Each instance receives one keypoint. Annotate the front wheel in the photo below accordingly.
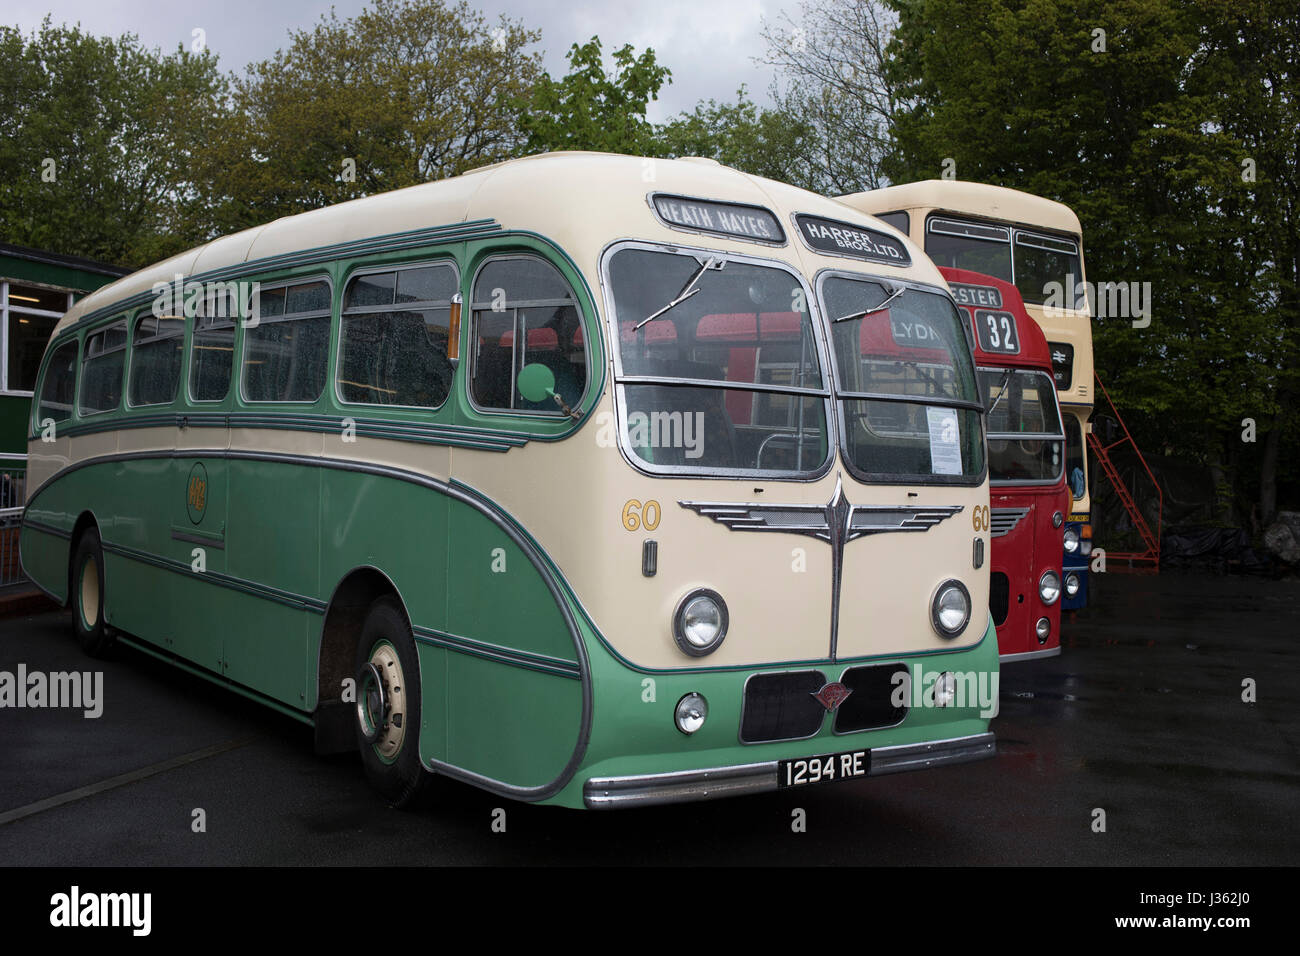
(87, 596)
(388, 706)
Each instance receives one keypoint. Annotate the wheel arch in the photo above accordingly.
(85, 521)
(344, 615)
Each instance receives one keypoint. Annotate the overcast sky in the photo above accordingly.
(709, 45)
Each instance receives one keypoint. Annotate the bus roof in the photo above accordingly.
(980, 296)
(976, 199)
(582, 201)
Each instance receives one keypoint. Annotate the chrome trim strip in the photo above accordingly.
(607, 793)
(932, 754)
(1029, 655)
(1004, 520)
(603, 793)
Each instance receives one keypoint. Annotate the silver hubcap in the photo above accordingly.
(381, 701)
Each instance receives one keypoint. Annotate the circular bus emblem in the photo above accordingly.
(196, 492)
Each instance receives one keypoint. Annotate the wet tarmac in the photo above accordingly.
(1142, 717)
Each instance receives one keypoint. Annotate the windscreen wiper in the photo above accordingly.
(898, 290)
(1002, 390)
(688, 290)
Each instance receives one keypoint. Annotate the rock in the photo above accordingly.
(1282, 538)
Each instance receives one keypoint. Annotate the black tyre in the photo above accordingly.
(388, 706)
(86, 594)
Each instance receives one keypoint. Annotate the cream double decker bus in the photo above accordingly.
(1035, 244)
(584, 479)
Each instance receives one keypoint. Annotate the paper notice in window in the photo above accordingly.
(945, 446)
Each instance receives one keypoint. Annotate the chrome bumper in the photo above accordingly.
(1029, 655)
(606, 793)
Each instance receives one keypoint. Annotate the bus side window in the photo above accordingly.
(59, 385)
(155, 360)
(285, 354)
(212, 347)
(393, 347)
(101, 370)
(524, 312)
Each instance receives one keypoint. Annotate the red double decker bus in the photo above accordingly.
(1026, 444)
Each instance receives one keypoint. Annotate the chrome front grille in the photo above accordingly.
(1004, 520)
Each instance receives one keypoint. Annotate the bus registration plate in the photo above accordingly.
(823, 768)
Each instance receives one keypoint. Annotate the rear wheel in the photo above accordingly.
(388, 706)
(87, 595)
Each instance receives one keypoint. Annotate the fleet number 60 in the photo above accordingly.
(638, 515)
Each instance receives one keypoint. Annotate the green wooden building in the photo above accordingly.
(36, 288)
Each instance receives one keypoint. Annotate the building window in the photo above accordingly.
(28, 315)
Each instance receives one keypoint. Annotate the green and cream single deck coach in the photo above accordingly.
(587, 479)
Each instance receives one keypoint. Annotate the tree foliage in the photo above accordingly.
(1139, 114)
(98, 138)
(592, 108)
(405, 92)
(766, 142)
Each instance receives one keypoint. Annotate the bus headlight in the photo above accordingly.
(1071, 584)
(950, 609)
(691, 712)
(700, 622)
(1071, 540)
(1085, 542)
(1043, 629)
(1049, 587)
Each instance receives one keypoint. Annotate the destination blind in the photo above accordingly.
(984, 296)
(859, 242)
(719, 218)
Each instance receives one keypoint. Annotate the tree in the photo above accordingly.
(407, 91)
(97, 142)
(590, 108)
(766, 142)
(1139, 114)
(834, 76)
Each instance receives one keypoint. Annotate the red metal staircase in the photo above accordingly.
(1148, 559)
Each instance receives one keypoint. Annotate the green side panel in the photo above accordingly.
(266, 647)
(511, 724)
(496, 594)
(45, 558)
(273, 526)
(131, 500)
(396, 527)
(433, 702)
(272, 540)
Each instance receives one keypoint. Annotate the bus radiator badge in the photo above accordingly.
(832, 695)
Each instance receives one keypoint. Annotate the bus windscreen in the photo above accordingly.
(719, 367)
(905, 382)
(1025, 439)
